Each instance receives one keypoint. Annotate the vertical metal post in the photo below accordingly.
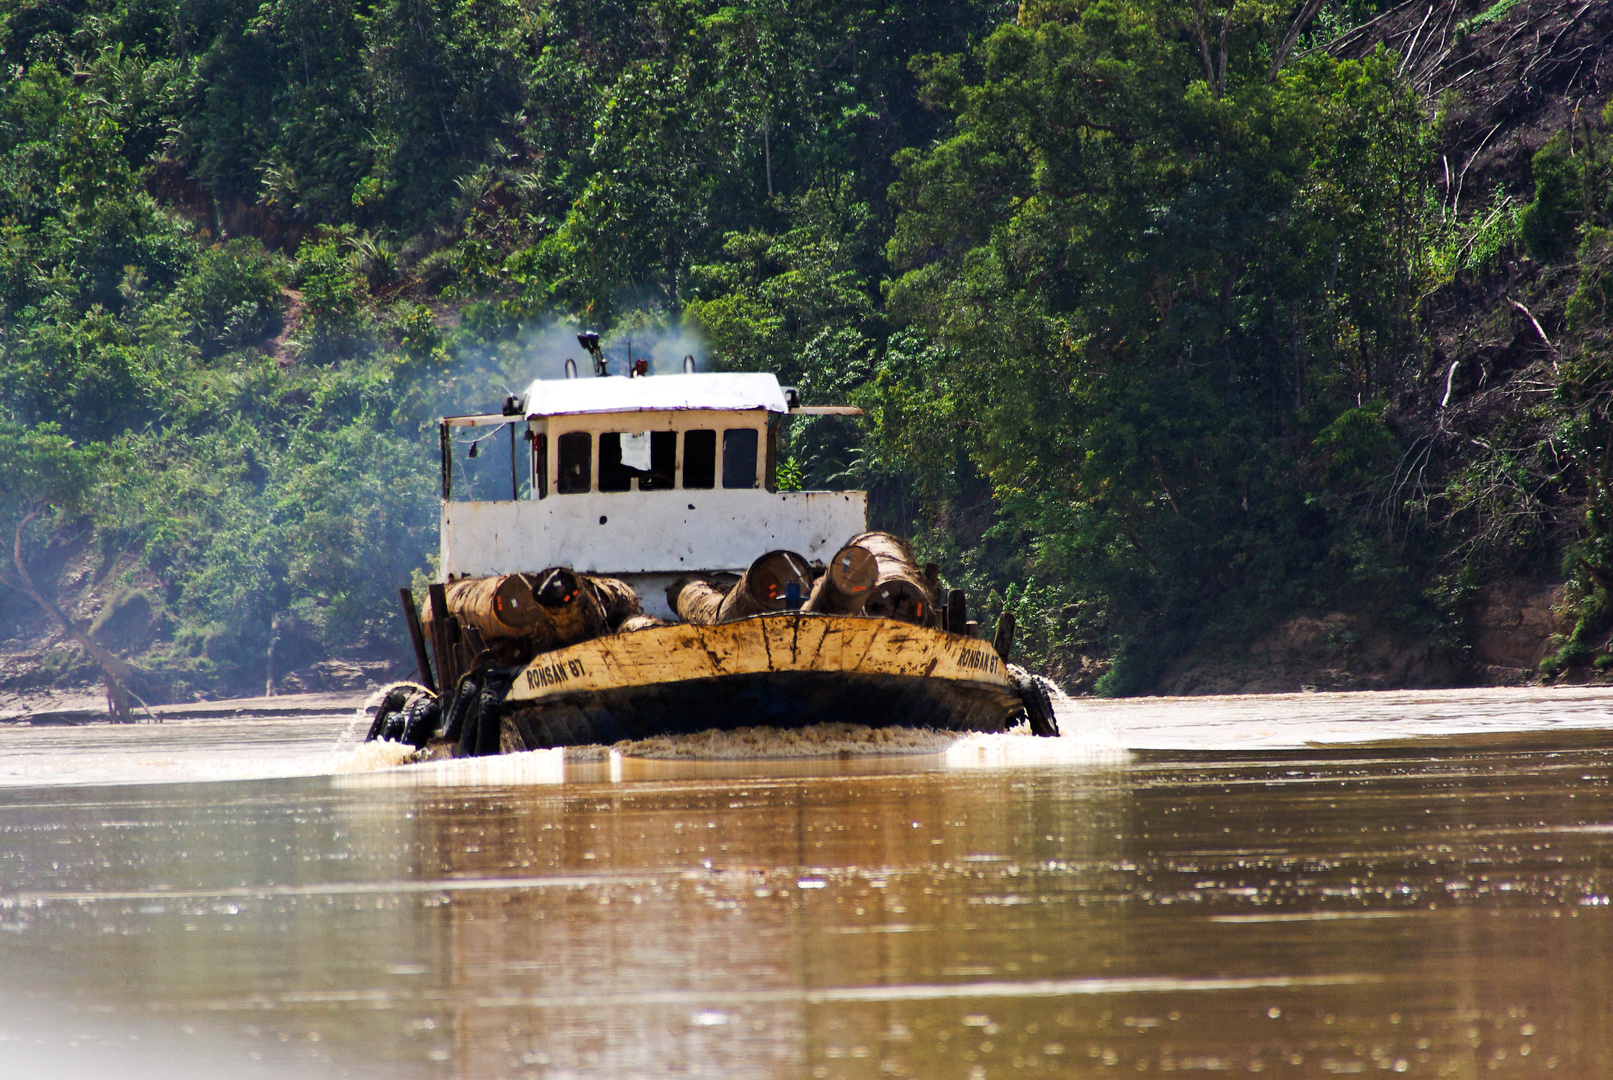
(515, 480)
(437, 596)
(1003, 642)
(446, 441)
(411, 616)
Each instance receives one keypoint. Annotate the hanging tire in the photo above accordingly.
(450, 721)
(420, 719)
(1037, 702)
(490, 710)
(391, 706)
(462, 725)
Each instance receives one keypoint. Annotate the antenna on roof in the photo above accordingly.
(688, 365)
(571, 368)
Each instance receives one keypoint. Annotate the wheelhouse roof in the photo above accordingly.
(615, 393)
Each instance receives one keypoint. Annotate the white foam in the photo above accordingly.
(1014, 750)
(372, 757)
(816, 741)
(749, 749)
(364, 715)
(500, 770)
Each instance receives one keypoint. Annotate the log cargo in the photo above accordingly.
(616, 598)
(847, 583)
(697, 602)
(901, 590)
(499, 607)
(544, 610)
(766, 584)
(570, 608)
(762, 588)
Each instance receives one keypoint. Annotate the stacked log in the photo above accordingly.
(617, 600)
(570, 608)
(764, 587)
(532, 613)
(499, 607)
(696, 600)
(847, 583)
(901, 589)
(765, 584)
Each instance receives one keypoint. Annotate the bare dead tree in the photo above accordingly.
(1215, 69)
(116, 673)
(1307, 12)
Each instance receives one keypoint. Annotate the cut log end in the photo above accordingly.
(765, 585)
(847, 583)
(903, 600)
(514, 603)
(556, 587)
(903, 591)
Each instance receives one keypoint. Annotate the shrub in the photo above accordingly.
(1545, 224)
(232, 294)
(334, 302)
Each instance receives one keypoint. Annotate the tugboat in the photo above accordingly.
(646, 577)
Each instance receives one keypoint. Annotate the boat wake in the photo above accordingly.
(1088, 740)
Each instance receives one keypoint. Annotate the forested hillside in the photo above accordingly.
(1171, 320)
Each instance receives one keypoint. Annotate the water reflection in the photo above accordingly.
(1299, 914)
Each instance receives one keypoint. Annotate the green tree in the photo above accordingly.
(1154, 271)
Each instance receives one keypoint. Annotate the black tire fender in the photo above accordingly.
(1037, 702)
(392, 704)
(490, 714)
(420, 719)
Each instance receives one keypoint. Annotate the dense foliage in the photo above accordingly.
(1130, 289)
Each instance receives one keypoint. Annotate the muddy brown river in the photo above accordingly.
(1306, 885)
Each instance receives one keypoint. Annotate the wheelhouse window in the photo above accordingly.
(663, 470)
(613, 474)
(650, 460)
(576, 450)
(739, 458)
(650, 457)
(700, 458)
(487, 462)
(540, 465)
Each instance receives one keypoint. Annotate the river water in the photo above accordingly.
(1305, 885)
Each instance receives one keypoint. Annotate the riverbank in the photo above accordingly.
(62, 708)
